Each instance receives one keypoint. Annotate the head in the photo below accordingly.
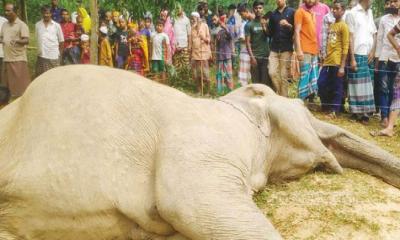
(142, 24)
(10, 12)
(160, 26)
(281, 3)
(202, 10)
(108, 16)
(215, 20)
(179, 10)
(338, 9)
(309, 3)
(123, 23)
(392, 7)
(46, 13)
(65, 15)
(244, 11)
(194, 18)
(115, 16)
(164, 13)
(103, 30)
(54, 3)
(147, 22)
(231, 10)
(258, 8)
(79, 20)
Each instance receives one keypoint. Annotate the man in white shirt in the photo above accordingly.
(50, 42)
(362, 51)
(388, 60)
(182, 32)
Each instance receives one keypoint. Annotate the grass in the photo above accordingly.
(319, 205)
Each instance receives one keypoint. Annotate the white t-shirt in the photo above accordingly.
(182, 29)
(49, 39)
(2, 21)
(157, 40)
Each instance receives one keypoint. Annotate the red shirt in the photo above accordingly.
(68, 29)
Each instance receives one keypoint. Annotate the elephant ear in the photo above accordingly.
(354, 152)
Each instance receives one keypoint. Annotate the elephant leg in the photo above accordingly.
(204, 201)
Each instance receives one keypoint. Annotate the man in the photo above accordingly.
(362, 51)
(307, 51)
(55, 11)
(281, 29)
(15, 37)
(200, 52)
(205, 13)
(244, 65)
(257, 46)
(233, 25)
(385, 11)
(71, 52)
(182, 32)
(50, 42)
(388, 59)
(2, 21)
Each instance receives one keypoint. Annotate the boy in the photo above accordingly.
(121, 44)
(160, 52)
(105, 56)
(330, 82)
(223, 43)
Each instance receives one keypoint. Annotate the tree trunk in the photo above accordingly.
(23, 11)
(93, 34)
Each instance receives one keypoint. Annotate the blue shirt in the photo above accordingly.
(56, 14)
(281, 37)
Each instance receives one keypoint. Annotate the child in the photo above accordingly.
(223, 43)
(330, 82)
(121, 44)
(105, 53)
(136, 57)
(85, 49)
(160, 52)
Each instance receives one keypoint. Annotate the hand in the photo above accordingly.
(253, 61)
(398, 51)
(353, 65)
(371, 57)
(341, 72)
(376, 65)
(284, 23)
(300, 56)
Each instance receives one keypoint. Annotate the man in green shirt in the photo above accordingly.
(257, 45)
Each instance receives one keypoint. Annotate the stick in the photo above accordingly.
(201, 74)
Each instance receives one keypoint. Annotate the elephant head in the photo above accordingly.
(299, 142)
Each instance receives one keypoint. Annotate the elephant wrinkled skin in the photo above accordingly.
(111, 155)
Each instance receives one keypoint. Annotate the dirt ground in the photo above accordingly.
(327, 206)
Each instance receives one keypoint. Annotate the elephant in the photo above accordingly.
(92, 152)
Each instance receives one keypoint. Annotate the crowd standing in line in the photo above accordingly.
(343, 54)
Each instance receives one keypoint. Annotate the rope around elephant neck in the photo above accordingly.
(247, 116)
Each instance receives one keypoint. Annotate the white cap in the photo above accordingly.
(195, 14)
(84, 37)
(104, 30)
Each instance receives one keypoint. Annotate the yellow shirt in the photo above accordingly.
(338, 43)
(105, 55)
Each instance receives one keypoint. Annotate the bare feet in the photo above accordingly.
(383, 133)
(384, 122)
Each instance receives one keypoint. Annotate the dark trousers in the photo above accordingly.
(330, 88)
(384, 86)
(259, 73)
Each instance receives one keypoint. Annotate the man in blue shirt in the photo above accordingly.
(55, 11)
(281, 29)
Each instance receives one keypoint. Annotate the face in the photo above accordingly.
(193, 21)
(46, 15)
(202, 12)
(54, 3)
(215, 20)
(159, 28)
(148, 23)
(164, 15)
(65, 16)
(309, 3)
(280, 3)
(108, 16)
(180, 11)
(142, 24)
(244, 14)
(122, 23)
(338, 11)
(9, 12)
(394, 4)
(258, 10)
(115, 18)
(79, 20)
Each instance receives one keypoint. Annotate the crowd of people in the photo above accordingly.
(342, 54)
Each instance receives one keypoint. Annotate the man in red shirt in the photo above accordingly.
(71, 50)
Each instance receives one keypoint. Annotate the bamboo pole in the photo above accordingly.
(94, 11)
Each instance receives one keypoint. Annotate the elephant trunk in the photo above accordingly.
(354, 152)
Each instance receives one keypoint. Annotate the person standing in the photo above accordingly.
(330, 82)
(244, 64)
(50, 42)
(2, 21)
(388, 59)
(169, 30)
(257, 46)
(307, 51)
(56, 11)
(160, 52)
(281, 29)
(71, 41)
(362, 51)
(182, 31)
(105, 52)
(14, 36)
(122, 44)
(200, 52)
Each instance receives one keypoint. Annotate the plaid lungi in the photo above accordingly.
(361, 90)
(44, 64)
(224, 73)
(396, 91)
(181, 58)
(244, 69)
(308, 76)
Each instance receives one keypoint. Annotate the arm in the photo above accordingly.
(60, 36)
(345, 41)
(379, 40)
(253, 60)
(350, 23)
(392, 40)
(371, 54)
(298, 19)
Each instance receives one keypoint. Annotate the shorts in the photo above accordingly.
(157, 66)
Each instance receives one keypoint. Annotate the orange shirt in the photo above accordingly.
(308, 35)
(200, 49)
